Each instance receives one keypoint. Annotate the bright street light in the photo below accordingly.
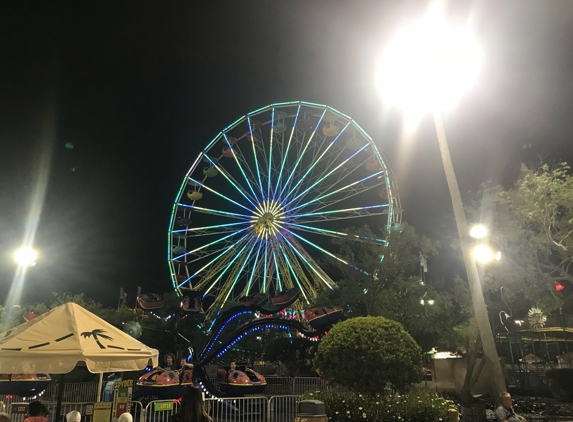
(428, 65)
(26, 257)
(483, 254)
(425, 68)
(478, 231)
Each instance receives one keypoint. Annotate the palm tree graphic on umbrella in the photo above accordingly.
(97, 334)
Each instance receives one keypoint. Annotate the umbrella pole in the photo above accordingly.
(60, 394)
(99, 387)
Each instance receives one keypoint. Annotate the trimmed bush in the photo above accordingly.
(422, 406)
(366, 354)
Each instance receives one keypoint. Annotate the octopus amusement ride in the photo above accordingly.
(262, 200)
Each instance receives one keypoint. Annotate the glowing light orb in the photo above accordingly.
(26, 257)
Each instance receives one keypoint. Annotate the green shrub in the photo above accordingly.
(366, 354)
(422, 406)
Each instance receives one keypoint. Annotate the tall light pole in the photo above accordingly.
(426, 67)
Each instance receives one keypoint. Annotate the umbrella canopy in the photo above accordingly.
(55, 342)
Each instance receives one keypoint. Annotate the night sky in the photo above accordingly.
(139, 88)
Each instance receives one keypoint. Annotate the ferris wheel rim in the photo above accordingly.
(252, 190)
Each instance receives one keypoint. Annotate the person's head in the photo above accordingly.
(233, 366)
(506, 400)
(192, 406)
(35, 408)
(169, 358)
(125, 417)
(4, 417)
(183, 361)
(73, 416)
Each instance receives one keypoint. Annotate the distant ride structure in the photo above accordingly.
(266, 196)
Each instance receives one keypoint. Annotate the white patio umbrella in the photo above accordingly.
(57, 341)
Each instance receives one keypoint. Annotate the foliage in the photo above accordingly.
(401, 259)
(366, 353)
(532, 224)
(292, 352)
(420, 406)
(397, 290)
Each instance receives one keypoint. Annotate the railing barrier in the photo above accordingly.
(239, 409)
(282, 408)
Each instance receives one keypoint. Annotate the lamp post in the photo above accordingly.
(426, 67)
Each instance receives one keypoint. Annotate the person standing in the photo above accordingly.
(505, 412)
(192, 407)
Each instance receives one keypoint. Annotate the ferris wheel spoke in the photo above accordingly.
(314, 161)
(233, 278)
(206, 253)
(220, 252)
(356, 191)
(282, 265)
(333, 233)
(257, 168)
(222, 265)
(357, 186)
(252, 199)
(278, 275)
(203, 210)
(344, 172)
(295, 270)
(219, 194)
(310, 263)
(341, 174)
(279, 184)
(326, 252)
(206, 230)
(265, 265)
(201, 248)
(270, 158)
(239, 158)
(324, 176)
(330, 215)
(254, 270)
(299, 157)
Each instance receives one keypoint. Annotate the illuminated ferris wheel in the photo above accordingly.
(265, 197)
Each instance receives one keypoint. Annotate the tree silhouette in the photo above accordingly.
(97, 334)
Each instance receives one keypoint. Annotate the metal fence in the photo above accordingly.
(85, 392)
(282, 408)
(239, 409)
(303, 384)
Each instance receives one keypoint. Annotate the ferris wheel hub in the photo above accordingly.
(267, 219)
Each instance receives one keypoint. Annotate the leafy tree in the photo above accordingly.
(396, 291)
(431, 317)
(532, 224)
(382, 266)
(366, 353)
